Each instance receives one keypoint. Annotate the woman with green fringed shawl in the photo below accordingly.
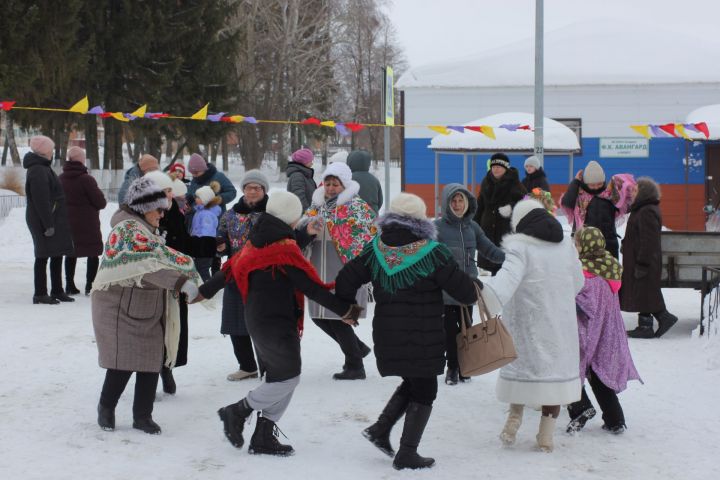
(409, 271)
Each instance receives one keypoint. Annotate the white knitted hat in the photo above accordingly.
(144, 195)
(593, 173)
(339, 170)
(161, 179)
(521, 209)
(408, 205)
(532, 161)
(179, 188)
(205, 194)
(284, 205)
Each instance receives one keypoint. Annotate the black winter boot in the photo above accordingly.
(168, 382)
(350, 374)
(46, 299)
(644, 328)
(416, 418)
(264, 441)
(106, 417)
(233, 417)
(665, 322)
(147, 425)
(70, 288)
(379, 432)
(452, 376)
(62, 296)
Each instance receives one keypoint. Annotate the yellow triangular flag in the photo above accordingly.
(679, 128)
(201, 114)
(119, 116)
(140, 112)
(439, 129)
(237, 118)
(81, 106)
(488, 131)
(643, 130)
(328, 123)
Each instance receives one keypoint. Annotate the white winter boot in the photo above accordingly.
(545, 434)
(241, 375)
(512, 424)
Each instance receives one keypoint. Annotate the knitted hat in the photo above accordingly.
(197, 164)
(593, 173)
(500, 159)
(42, 145)
(161, 179)
(339, 156)
(304, 156)
(205, 194)
(284, 205)
(522, 208)
(148, 163)
(179, 189)
(256, 176)
(144, 195)
(177, 168)
(532, 161)
(409, 205)
(339, 170)
(76, 154)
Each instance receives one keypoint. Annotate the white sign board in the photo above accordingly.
(615, 147)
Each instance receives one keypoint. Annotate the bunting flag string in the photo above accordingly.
(343, 128)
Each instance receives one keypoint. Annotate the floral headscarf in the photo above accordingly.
(543, 197)
(595, 259)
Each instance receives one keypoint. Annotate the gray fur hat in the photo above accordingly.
(144, 195)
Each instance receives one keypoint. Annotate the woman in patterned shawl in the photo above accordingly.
(342, 224)
(605, 358)
(135, 310)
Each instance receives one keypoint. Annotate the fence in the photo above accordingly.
(710, 298)
(8, 202)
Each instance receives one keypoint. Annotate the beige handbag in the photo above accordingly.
(484, 347)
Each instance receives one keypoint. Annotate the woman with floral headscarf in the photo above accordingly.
(605, 358)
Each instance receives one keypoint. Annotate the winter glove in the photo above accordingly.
(505, 211)
(353, 314)
(191, 290)
(640, 272)
(49, 232)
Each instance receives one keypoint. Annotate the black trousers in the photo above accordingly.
(145, 386)
(90, 273)
(420, 389)
(612, 412)
(452, 321)
(345, 336)
(40, 273)
(243, 348)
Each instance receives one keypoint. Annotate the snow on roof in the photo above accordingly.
(602, 52)
(709, 114)
(557, 137)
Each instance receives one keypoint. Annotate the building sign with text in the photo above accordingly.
(621, 147)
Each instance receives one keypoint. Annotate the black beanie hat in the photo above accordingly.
(500, 159)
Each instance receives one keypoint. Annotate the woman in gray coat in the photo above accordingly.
(135, 312)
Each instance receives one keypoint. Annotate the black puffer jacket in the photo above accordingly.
(301, 183)
(408, 330)
(46, 209)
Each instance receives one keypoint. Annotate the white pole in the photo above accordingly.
(539, 86)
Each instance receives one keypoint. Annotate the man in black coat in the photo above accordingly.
(46, 217)
(500, 191)
(642, 263)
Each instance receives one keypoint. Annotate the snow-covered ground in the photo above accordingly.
(50, 384)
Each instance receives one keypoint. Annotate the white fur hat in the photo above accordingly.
(284, 205)
(179, 188)
(521, 209)
(144, 195)
(205, 194)
(593, 173)
(339, 156)
(339, 170)
(161, 179)
(408, 205)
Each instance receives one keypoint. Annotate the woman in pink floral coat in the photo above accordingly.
(340, 224)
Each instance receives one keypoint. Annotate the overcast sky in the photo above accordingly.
(432, 30)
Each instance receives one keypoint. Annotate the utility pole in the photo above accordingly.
(539, 85)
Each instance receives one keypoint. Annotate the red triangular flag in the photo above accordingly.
(668, 128)
(354, 127)
(106, 115)
(702, 126)
(524, 127)
(310, 121)
(7, 106)
(474, 129)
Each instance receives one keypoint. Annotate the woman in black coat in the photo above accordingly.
(535, 177)
(84, 201)
(642, 263)
(500, 191)
(46, 217)
(408, 327)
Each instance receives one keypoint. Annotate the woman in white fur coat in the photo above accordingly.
(535, 290)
